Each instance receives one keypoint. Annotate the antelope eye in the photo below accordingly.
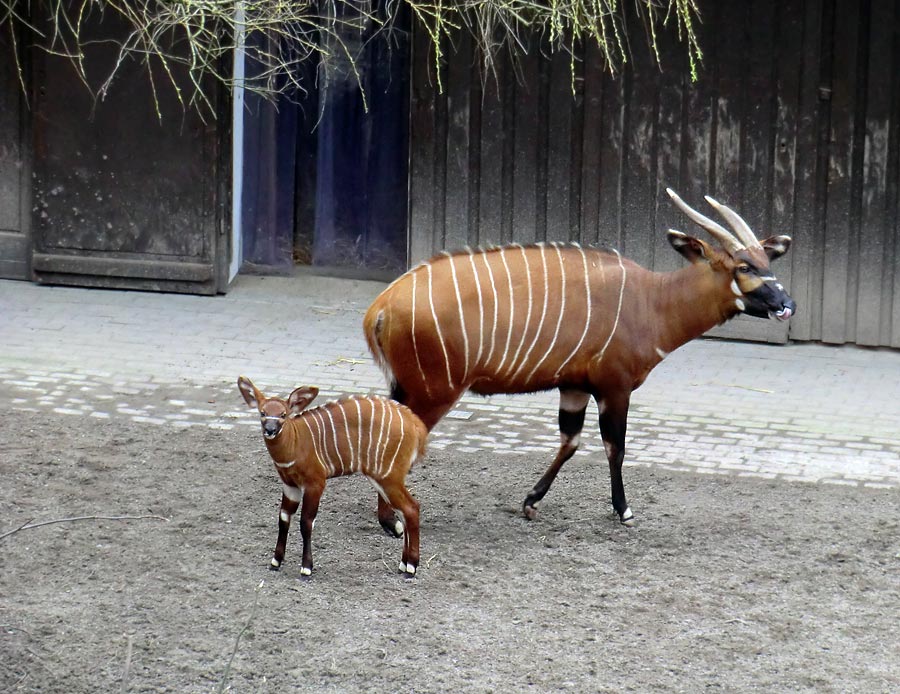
(744, 268)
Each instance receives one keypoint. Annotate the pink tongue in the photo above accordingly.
(784, 314)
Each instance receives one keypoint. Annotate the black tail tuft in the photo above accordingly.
(397, 393)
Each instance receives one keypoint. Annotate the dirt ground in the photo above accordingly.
(726, 584)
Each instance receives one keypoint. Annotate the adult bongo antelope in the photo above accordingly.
(367, 434)
(589, 322)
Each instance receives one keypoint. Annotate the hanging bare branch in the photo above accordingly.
(195, 39)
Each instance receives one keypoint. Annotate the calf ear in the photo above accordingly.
(691, 248)
(251, 395)
(301, 397)
(776, 246)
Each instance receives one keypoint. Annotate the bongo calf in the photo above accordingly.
(371, 435)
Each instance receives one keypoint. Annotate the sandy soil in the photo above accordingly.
(727, 584)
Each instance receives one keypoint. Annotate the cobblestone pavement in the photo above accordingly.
(816, 413)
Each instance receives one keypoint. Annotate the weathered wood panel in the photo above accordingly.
(793, 122)
(123, 198)
(14, 167)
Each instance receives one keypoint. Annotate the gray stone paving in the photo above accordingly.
(802, 412)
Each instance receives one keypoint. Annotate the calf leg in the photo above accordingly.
(311, 497)
(403, 501)
(290, 500)
(392, 525)
(430, 413)
(613, 419)
(572, 407)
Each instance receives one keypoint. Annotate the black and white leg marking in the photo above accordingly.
(572, 407)
(290, 501)
(613, 419)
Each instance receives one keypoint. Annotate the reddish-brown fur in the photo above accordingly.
(588, 322)
(374, 436)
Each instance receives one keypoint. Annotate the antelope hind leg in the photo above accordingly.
(392, 525)
(572, 408)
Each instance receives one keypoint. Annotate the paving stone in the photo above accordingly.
(831, 415)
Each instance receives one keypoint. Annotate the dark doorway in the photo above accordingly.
(325, 171)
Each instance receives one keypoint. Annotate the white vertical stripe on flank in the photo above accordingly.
(413, 331)
(337, 451)
(312, 437)
(397, 450)
(494, 290)
(359, 423)
(512, 310)
(562, 311)
(480, 309)
(515, 358)
(379, 449)
(371, 431)
(320, 426)
(587, 320)
(618, 309)
(537, 334)
(437, 327)
(462, 320)
(387, 439)
(347, 430)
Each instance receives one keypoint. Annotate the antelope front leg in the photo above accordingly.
(311, 496)
(613, 419)
(290, 500)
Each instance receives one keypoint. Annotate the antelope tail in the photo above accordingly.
(373, 324)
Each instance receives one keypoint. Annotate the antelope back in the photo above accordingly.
(504, 319)
(367, 434)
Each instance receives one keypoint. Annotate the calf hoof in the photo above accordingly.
(409, 570)
(306, 571)
(393, 527)
(274, 565)
(529, 508)
(627, 518)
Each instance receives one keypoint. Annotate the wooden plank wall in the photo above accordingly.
(793, 122)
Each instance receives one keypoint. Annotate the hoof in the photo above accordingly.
(530, 509)
(274, 565)
(627, 518)
(393, 527)
(305, 571)
(407, 569)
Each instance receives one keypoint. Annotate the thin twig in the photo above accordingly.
(237, 641)
(127, 670)
(21, 527)
(28, 525)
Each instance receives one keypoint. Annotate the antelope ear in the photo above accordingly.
(301, 397)
(776, 246)
(691, 248)
(251, 395)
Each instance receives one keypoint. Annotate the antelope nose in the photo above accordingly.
(270, 428)
(788, 309)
